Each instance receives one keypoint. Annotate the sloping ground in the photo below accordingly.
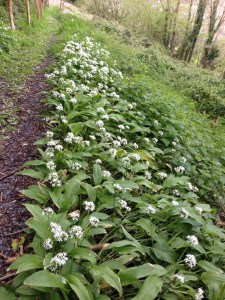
(15, 151)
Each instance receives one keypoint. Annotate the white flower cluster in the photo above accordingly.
(150, 209)
(190, 260)
(59, 234)
(89, 206)
(94, 221)
(179, 169)
(54, 179)
(200, 294)
(57, 261)
(193, 240)
(124, 205)
(48, 244)
(192, 187)
(76, 231)
(180, 277)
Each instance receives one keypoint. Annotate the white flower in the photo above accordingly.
(135, 145)
(49, 134)
(59, 107)
(76, 166)
(118, 187)
(160, 133)
(183, 160)
(64, 280)
(136, 157)
(150, 209)
(126, 160)
(124, 205)
(121, 127)
(116, 143)
(156, 123)
(48, 244)
(106, 174)
(154, 140)
(174, 143)
(51, 143)
(50, 165)
(200, 294)
(99, 123)
(76, 231)
(89, 205)
(58, 260)
(113, 152)
(184, 214)
(175, 203)
(73, 100)
(193, 240)
(94, 221)
(57, 232)
(69, 137)
(130, 106)
(64, 120)
(176, 193)
(148, 175)
(77, 139)
(147, 164)
(100, 110)
(198, 210)
(180, 277)
(47, 211)
(86, 143)
(74, 215)
(162, 175)
(98, 161)
(92, 137)
(59, 148)
(146, 140)
(192, 187)
(124, 142)
(179, 169)
(174, 150)
(190, 260)
(105, 117)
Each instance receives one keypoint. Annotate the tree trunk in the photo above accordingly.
(214, 26)
(37, 8)
(10, 11)
(27, 11)
(173, 37)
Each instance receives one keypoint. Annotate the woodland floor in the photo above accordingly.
(14, 151)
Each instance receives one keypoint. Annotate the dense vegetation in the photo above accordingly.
(126, 173)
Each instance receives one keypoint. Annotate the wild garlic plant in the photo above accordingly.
(117, 217)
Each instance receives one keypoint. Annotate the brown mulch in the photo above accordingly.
(15, 151)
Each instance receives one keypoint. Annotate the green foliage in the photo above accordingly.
(123, 177)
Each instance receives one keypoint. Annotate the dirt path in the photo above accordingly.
(16, 150)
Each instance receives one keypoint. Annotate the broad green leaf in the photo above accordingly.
(78, 287)
(31, 173)
(91, 192)
(39, 227)
(148, 226)
(163, 252)
(45, 279)
(208, 266)
(27, 262)
(150, 288)
(70, 197)
(97, 174)
(26, 290)
(213, 277)
(129, 275)
(37, 192)
(83, 254)
(106, 274)
(6, 294)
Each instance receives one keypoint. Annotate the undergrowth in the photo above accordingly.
(123, 178)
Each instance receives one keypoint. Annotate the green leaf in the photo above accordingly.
(31, 173)
(84, 254)
(45, 279)
(212, 277)
(91, 192)
(150, 288)
(78, 287)
(97, 174)
(106, 274)
(5, 294)
(37, 192)
(70, 197)
(128, 276)
(27, 262)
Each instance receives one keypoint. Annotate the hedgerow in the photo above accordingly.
(118, 213)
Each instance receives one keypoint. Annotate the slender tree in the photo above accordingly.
(10, 11)
(27, 11)
(210, 51)
(174, 27)
(189, 43)
(37, 8)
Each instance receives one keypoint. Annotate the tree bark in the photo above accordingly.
(27, 11)
(37, 8)
(173, 36)
(10, 11)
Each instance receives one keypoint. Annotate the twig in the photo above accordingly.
(1, 197)
(8, 175)
(7, 276)
(15, 232)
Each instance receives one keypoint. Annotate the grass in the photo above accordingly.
(29, 48)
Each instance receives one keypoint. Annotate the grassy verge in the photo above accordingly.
(29, 46)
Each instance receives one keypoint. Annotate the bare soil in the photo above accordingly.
(15, 151)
